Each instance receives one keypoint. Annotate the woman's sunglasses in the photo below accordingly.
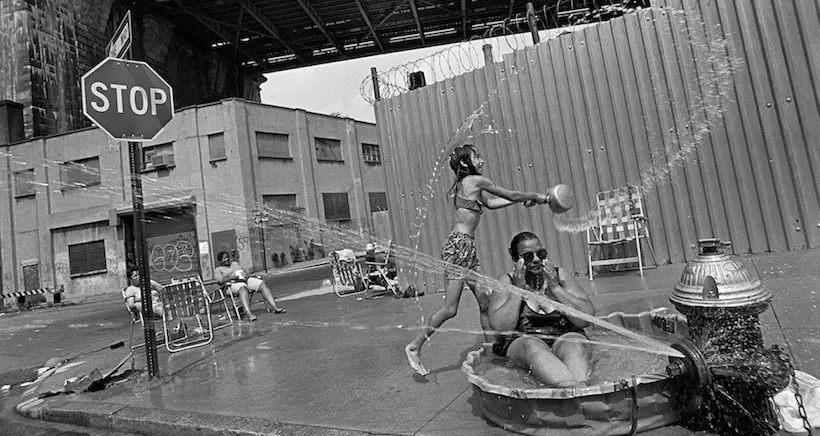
(542, 254)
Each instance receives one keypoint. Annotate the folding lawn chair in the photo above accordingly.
(621, 220)
(185, 301)
(377, 272)
(348, 273)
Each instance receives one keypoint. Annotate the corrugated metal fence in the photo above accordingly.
(618, 103)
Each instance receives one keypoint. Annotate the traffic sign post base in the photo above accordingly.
(142, 263)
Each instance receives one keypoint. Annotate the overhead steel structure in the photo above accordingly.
(276, 35)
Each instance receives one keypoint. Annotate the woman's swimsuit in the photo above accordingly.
(547, 327)
(473, 205)
(460, 248)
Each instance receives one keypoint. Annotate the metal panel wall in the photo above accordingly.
(645, 99)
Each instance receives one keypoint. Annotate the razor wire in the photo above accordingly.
(508, 35)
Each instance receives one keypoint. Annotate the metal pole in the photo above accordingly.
(533, 24)
(134, 158)
(264, 250)
(488, 54)
(375, 76)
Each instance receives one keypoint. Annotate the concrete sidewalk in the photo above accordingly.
(336, 366)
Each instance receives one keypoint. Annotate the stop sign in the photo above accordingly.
(127, 99)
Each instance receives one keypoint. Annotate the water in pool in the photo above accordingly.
(609, 363)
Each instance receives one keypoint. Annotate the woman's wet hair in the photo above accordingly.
(221, 255)
(461, 155)
(517, 239)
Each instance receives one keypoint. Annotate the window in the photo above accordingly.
(87, 258)
(24, 183)
(336, 207)
(216, 146)
(378, 201)
(273, 145)
(157, 157)
(372, 154)
(328, 150)
(279, 201)
(80, 173)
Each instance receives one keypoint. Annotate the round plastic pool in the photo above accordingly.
(626, 404)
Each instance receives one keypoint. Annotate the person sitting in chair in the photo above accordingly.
(133, 293)
(231, 272)
(535, 335)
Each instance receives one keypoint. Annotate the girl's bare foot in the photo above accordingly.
(415, 361)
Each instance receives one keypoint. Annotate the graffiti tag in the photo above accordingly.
(173, 253)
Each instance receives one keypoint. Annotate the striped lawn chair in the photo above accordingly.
(347, 273)
(621, 220)
(184, 302)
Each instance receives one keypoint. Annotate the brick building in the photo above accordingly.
(69, 218)
(47, 45)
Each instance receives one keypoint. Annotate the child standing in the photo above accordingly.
(470, 197)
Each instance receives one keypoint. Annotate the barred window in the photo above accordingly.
(371, 154)
(87, 258)
(337, 208)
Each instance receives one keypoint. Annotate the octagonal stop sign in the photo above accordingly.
(127, 99)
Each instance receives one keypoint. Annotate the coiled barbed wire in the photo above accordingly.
(504, 36)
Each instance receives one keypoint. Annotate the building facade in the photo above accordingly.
(205, 177)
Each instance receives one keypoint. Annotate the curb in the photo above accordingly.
(158, 422)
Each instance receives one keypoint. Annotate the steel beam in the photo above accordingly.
(270, 28)
(308, 8)
(217, 29)
(415, 11)
(464, 18)
(370, 25)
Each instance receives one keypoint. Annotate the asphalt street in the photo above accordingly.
(30, 338)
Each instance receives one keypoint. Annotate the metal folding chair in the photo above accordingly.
(136, 318)
(347, 273)
(184, 301)
(620, 221)
(215, 296)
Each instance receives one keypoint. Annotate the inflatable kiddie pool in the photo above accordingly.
(613, 405)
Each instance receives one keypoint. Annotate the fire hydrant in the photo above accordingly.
(728, 375)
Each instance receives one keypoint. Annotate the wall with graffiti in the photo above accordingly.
(175, 255)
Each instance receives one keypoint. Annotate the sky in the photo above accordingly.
(335, 87)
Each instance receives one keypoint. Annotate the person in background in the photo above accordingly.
(231, 272)
(133, 293)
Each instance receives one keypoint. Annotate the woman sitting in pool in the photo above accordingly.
(535, 335)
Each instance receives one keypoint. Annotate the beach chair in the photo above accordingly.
(214, 297)
(237, 306)
(186, 301)
(377, 272)
(347, 272)
(620, 222)
(136, 319)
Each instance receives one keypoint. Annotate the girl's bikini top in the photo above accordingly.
(464, 203)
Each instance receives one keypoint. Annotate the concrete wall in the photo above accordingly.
(221, 194)
(47, 45)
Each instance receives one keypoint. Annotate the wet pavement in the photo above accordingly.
(338, 363)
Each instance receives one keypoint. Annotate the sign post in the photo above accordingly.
(129, 101)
